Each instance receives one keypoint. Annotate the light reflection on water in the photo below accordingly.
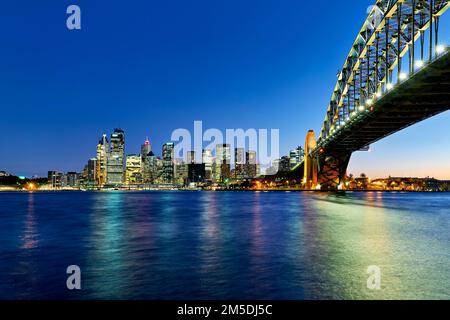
(194, 245)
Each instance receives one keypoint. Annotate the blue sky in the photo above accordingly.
(150, 67)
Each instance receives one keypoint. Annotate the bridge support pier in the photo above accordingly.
(333, 171)
(311, 163)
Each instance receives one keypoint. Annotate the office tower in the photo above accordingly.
(223, 157)
(239, 160)
(116, 158)
(168, 163)
(284, 164)
(91, 170)
(207, 160)
(146, 148)
(296, 156)
(102, 159)
(180, 172)
(159, 170)
(133, 169)
(190, 157)
(149, 171)
(250, 164)
(146, 151)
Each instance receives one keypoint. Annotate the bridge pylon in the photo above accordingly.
(311, 163)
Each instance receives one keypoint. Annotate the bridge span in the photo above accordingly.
(396, 74)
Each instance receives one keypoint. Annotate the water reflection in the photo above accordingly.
(30, 235)
(206, 245)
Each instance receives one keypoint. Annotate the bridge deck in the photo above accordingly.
(424, 95)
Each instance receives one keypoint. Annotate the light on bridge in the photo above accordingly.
(361, 108)
(379, 94)
(390, 86)
(403, 76)
(419, 64)
(440, 49)
(369, 102)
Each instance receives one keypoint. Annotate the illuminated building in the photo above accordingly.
(191, 157)
(222, 162)
(251, 170)
(239, 160)
(296, 156)
(168, 163)
(146, 162)
(55, 179)
(116, 158)
(180, 172)
(101, 163)
(207, 160)
(71, 179)
(133, 169)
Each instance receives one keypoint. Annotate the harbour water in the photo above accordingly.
(224, 245)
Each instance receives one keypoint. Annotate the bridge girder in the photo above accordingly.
(388, 34)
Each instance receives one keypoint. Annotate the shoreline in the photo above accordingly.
(201, 190)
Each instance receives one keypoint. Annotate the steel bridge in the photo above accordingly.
(396, 74)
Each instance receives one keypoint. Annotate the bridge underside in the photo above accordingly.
(424, 95)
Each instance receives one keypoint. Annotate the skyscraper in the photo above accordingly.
(102, 159)
(251, 169)
(91, 174)
(146, 152)
(191, 157)
(239, 160)
(168, 163)
(146, 148)
(116, 158)
(208, 162)
(133, 169)
(222, 163)
(296, 156)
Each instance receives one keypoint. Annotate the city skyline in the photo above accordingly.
(171, 78)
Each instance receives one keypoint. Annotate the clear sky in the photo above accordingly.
(152, 66)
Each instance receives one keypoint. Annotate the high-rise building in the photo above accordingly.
(146, 148)
(168, 163)
(180, 172)
(207, 160)
(91, 170)
(116, 158)
(296, 156)
(102, 159)
(222, 163)
(239, 163)
(146, 152)
(133, 169)
(191, 157)
(284, 164)
(150, 170)
(250, 164)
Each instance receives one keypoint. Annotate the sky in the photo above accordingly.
(152, 66)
